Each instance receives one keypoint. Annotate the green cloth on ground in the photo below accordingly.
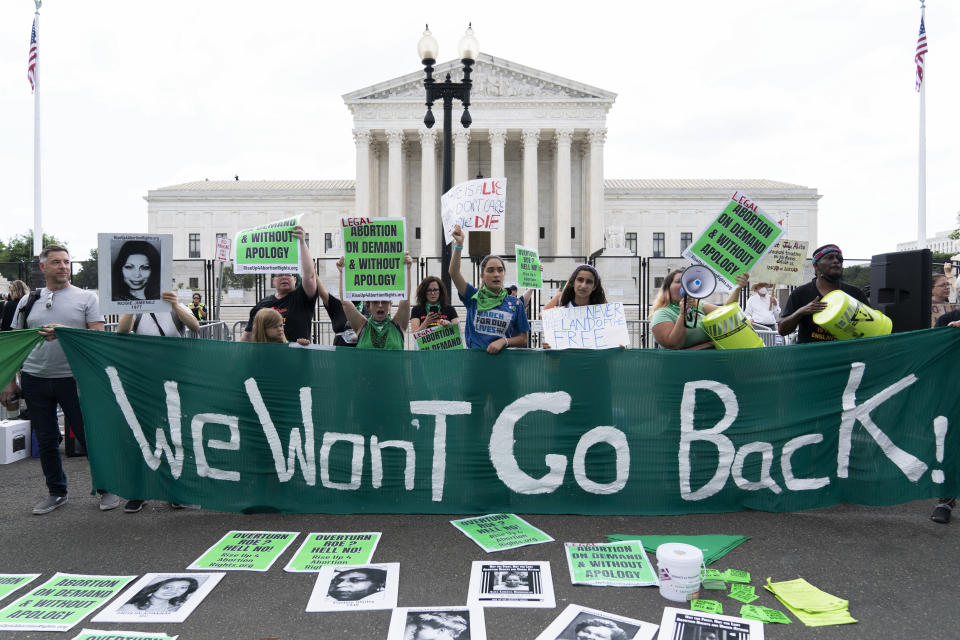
(15, 346)
(713, 546)
(812, 606)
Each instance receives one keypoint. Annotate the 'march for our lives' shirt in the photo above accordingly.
(483, 327)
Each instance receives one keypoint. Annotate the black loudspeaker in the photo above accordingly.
(900, 288)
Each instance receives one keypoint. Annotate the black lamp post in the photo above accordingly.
(447, 91)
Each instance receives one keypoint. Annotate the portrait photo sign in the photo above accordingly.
(160, 597)
(576, 622)
(425, 623)
(132, 271)
(518, 583)
(363, 587)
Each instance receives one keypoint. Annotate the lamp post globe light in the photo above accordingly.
(448, 91)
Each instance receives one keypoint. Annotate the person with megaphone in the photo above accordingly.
(677, 312)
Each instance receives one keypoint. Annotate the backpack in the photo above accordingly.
(25, 310)
(177, 322)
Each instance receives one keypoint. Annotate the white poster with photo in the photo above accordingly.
(684, 623)
(133, 270)
(576, 622)
(475, 205)
(434, 623)
(511, 584)
(595, 326)
(358, 587)
(160, 597)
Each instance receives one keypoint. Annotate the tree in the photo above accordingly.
(86, 278)
(232, 280)
(20, 247)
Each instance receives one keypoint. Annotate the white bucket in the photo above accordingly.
(678, 567)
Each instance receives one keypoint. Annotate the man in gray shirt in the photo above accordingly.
(46, 377)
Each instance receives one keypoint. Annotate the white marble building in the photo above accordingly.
(544, 133)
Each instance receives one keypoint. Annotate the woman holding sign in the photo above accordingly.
(670, 316)
(495, 320)
(433, 307)
(583, 288)
(380, 330)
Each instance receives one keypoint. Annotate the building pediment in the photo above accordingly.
(494, 79)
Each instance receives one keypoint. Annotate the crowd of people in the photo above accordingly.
(495, 319)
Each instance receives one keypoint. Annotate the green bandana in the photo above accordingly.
(382, 336)
(487, 299)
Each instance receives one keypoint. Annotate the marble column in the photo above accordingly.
(498, 138)
(563, 193)
(395, 173)
(428, 193)
(593, 239)
(531, 222)
(461, 169)
(361, 138)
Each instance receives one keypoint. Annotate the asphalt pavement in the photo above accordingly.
(898, 569)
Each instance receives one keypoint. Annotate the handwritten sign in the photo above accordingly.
(528, 268)
(475, 205)
(735, 240)
(269, 248)
(439, 338)
(224, 244)
(597, 326)
(373, 260)
(783, 263)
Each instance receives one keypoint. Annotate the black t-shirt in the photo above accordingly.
(447, 312)
(808, 330)
(297, 311)
(339, 322)
(947, 318)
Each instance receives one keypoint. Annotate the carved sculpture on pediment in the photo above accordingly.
(615, 238)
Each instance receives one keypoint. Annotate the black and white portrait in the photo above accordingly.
(581, 623)
(355, 588)
(437, 623)
(511, 584)
(133, 270)
(160, 597)
(684, 624)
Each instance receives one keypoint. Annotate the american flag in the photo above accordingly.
(32, 58)
(921, 51)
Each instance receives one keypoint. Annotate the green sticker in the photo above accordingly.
(743, 592)
(707, 606)
(61, 602)
(712, 579)
(499, 531)
(528, 268)
(322, 549)
(774, 615)
(609, 564)
(373, 256)
(736, 575)
(245, 551)
(268, 248)
(764, 614)
(439, 338)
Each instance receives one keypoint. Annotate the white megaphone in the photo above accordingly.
(697, 282)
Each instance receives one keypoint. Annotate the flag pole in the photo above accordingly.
(922, 178)
(37, 216)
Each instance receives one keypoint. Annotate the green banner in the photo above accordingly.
(609, 564)
(500, 531)
(60, 602)
(245, 551)
(322, 549)
(15, 346)
(735, 241)
(528, 269)
(636, 431)
(269, 248)
(439, 338)
(373, 260)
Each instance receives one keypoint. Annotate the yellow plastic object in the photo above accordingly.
(728, 328)
(846, 317)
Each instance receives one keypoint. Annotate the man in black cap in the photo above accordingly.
(806, 300)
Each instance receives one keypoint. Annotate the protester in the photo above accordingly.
(46, 377)
(940, 289)
(944, 507)
(763, 307)
(433, 308)
(380, 330)
(198, 309)
(438, 625)
(344, 336)
(17, 289)
(806, 299)
(294, 302)
(136, 272)
(356, 584)
(676, 327)
(583, 288)
(494, 319)
(165, 596)
(268, 327)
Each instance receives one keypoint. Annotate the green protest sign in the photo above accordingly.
(528, 268)
(500, 531)
(646, 432)
(245, 551)
(735, 240)
(10, 582)
(609, 564)
(439, 338)
(61, 602)
(373, 260)
(323, 549)
(269, 248)
(100, 634)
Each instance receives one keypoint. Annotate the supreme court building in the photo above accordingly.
(544, 133)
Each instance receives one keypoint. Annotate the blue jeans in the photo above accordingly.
(42, 396)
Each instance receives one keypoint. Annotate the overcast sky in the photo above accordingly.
(137, 95)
